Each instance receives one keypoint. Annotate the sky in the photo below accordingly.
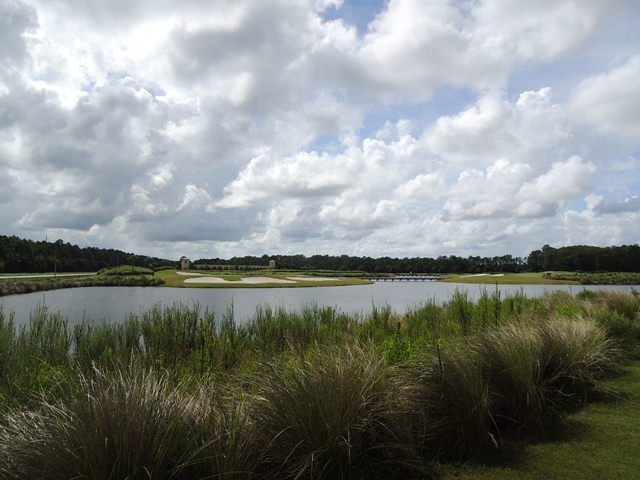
(401, 128)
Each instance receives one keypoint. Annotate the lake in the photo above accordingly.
(112, 304)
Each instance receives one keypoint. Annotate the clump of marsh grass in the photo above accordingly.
(126, 424)
(623, 303)
(510, 359)
(625, 332)
(576, 354)
(224, 440)
(330, 415)
(428, 322)
(106, 343)
(460, 310)
(450, 403)
(30, 355)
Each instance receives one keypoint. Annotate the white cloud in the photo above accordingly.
(611, 101)
(245, 125)
(495, 127)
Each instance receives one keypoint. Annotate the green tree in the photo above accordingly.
(132, 259)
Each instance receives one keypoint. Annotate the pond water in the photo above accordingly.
(112, 304)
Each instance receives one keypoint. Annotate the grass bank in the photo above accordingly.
(529, 278)
(599, 441)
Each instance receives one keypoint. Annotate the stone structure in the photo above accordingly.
(184, 261)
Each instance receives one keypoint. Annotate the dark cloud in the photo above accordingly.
(17, 18)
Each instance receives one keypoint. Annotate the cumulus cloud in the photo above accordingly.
(495, 127)
(237, 127)
(611, 101)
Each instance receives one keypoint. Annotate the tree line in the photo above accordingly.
(625, 258)
(19, 255)
(26, 256)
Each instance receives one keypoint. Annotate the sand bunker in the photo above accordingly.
(202, 278)
(483, 275)
(312, 279)
(251, 280)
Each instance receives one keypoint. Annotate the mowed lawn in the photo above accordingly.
(529, 278)
(602, 441)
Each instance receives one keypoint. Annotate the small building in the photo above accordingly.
(272, 264)
(184, 261)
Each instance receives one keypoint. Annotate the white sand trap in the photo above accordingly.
(193, 274)
(251, 280)
(311, 279)
(483, 275)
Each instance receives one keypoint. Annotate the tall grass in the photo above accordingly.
(330, 415)
(510, 358)
(576, 356)
(120, 425)
(450, 403)
(175, 392)
(626, 304)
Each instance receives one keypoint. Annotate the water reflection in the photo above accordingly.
(115, 303)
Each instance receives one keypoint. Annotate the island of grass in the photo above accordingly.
(259, 279)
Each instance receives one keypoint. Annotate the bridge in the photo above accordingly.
(403, 278)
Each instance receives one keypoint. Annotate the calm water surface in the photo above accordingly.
(113, 304)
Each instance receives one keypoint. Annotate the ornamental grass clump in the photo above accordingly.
(626, 304)
(509, 357)
(224, 440)
(576, 355)
(330, 415)
(125, 424)
(449, 402)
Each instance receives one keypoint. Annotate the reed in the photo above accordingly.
(106, 343)
(460, 310)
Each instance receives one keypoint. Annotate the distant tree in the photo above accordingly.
(132, 260)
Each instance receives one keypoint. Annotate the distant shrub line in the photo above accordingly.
(17, 286)
(604, 278)
(176, 392)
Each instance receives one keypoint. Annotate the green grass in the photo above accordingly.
(509, 279)
(600, 441)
